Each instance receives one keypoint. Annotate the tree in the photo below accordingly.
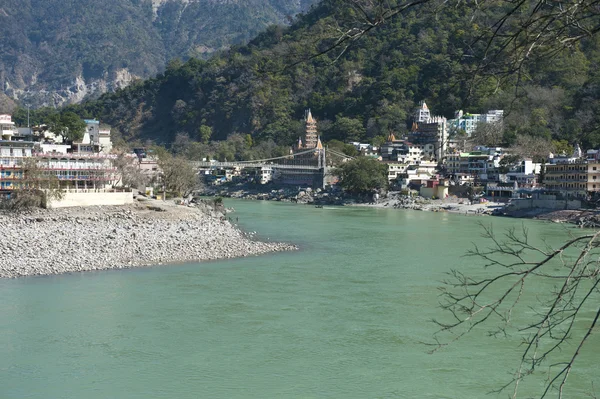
(205, 133)
(562, 147)
(71, 126)
(248, 141)
(563, 320)
(339, 146)
(178, 175)
(508, 38)
(509, 161)
(362, 175)
(33, 188)
(129, 171)
(181, 143)
(473, 192)
(536, 147)
(487, 134)
(378, 141)
(347, 129)
(7, 106)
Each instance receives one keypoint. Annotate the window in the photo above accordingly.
(594, 168)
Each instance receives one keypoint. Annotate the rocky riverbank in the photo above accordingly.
(305, 195)
(392, 199)
(451, 204)
(584, 218)
(44, 242)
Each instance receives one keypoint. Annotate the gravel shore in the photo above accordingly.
(451, 205)
(44, 242)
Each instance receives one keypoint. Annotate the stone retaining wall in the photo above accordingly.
(72, 199)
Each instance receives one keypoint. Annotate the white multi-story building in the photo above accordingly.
(479, 163)
(396, 169)
(72, 168)
(7, 127)
(417, 174)
(525, 173)
(469, 122)
(96, 138)
(428, 129)
(406, 152)
(422, 113)
(78, 170)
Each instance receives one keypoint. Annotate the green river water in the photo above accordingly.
(344, 317)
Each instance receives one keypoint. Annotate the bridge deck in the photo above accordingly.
(253, 165)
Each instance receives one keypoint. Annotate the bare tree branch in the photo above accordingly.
(512, 263)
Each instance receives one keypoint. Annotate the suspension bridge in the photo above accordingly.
(309, 166)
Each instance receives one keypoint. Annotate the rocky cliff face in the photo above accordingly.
(79, 89)
(55, 52)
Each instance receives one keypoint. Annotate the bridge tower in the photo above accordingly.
(320, 153)
(322, 163)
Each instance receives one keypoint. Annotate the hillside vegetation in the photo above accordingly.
(261, 91)
(54, 51)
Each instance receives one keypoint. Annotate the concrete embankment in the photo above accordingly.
(44, 242)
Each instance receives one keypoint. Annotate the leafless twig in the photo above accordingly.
(512, 263)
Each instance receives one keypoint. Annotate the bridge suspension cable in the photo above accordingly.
(281, 157)
(339, 154)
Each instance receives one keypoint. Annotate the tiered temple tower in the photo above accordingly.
(310, 137)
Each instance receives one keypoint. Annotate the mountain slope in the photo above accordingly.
(363, 94)
(57, 51)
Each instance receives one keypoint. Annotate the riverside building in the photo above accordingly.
(572, 176)
(82, 165)
(478, 163)
(404, 151)
(12, 153)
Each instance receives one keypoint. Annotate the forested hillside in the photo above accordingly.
(56, 51)
(260, 90)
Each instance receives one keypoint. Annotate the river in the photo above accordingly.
(344, 317)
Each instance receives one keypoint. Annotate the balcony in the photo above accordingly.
(7, 133)
(563, 180)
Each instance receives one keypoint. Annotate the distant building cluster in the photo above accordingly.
(427, 159)
(430, 156)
